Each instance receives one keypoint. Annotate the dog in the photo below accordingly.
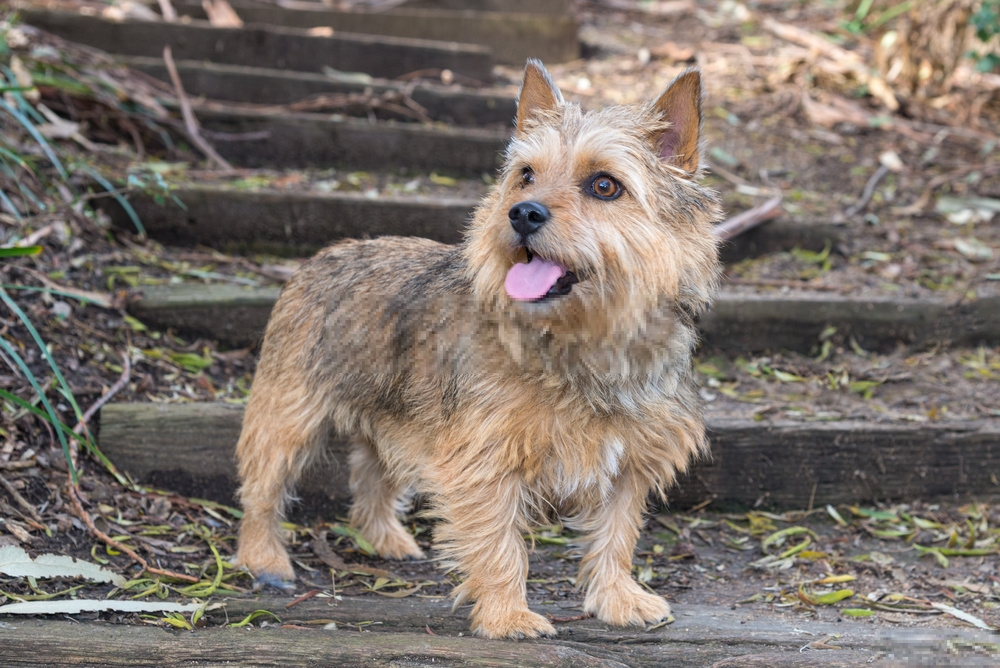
(539, 369)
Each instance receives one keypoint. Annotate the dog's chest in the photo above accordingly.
(583, 470)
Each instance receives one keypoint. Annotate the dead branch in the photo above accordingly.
(168, 11)
(869, 190)
(190, 122)
(322, 549)
(74, 490)
(749, 219)
(221, 14)
(74, 493)
(20, 500)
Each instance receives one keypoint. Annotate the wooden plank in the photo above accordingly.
(290, 223)
(512, 37)
(779, 235)
(783, 462)
(38, 643)
(793, 321)
(274, 47)
(739, 321)
(234, 315)
(702, 636)
(286, 223)
(321, 140)
(237, 83)
(188, 448)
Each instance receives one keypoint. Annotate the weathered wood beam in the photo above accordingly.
(300, 140)
(236, 83)
(512, 37)
(740, 320)
(273, 47)
(290, 223)
(300, 223)
(747, 320)
(40, 643)
(701, 636)
(189, 448)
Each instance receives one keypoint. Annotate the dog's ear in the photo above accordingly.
(680, 105)
(538, 93)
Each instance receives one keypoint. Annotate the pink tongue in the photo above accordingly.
(533, 279)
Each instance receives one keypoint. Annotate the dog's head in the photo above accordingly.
(597, 215)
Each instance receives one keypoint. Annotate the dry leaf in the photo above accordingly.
(14, 561)
(73, 607)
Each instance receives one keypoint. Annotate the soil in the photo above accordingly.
(760, 140)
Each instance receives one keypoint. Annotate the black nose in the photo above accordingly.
(527, 217)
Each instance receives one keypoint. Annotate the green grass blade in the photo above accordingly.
(21, 102)
(10, 206)
(51, 415)
(35, 410)
(64, 386)
(21, 162)
(118, 196)
(20, 251)
(52, 291)
(23, 120)
(26, 193)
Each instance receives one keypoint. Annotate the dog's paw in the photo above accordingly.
(270, 580)
(516, 624)
(626, 604)
(398, 545)
(269, 565)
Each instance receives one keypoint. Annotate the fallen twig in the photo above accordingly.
(321, 548)
(102, 299)
(791, 284)
(74, 490)
(20, 500)
(574, 618)
(74, 494)
(81, 426)
(749, 219)
(19, 464)
(190, 122)
(305, 597)
(869, 190)
(168, 11)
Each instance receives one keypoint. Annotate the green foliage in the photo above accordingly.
(986, 22)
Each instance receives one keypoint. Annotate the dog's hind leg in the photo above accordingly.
(378, 498)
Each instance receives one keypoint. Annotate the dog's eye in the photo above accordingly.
(603, 186)
(527, 177)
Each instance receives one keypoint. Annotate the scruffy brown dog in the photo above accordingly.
(539, 369)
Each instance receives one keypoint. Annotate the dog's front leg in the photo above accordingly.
(611, 531)
(483, 533)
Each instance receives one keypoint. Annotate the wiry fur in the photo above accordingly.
(504, 412)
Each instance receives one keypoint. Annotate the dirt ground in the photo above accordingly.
(921, 233)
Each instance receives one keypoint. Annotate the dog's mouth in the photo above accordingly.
(538, 279)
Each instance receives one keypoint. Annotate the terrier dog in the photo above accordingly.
(539, 369)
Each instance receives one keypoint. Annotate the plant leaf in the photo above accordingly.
(73, 607)
(20, 251)
(14, 561)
